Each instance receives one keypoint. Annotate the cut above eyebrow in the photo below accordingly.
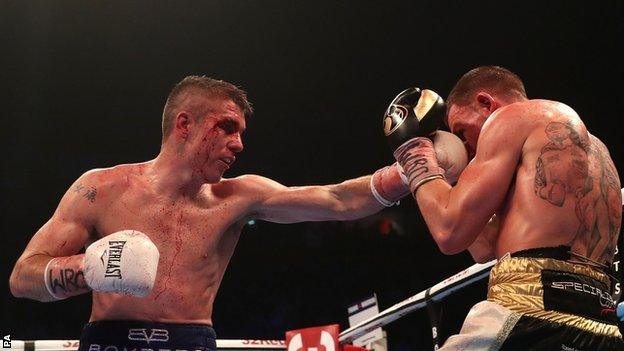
(235, 123)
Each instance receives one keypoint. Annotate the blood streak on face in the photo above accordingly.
(221, 141)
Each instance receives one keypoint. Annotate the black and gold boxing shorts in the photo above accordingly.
(536, 302)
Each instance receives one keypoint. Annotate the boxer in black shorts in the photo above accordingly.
(537, 179)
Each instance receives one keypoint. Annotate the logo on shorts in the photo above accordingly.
(605, 299)
(113, 261)
(394, 117)
(141, 334)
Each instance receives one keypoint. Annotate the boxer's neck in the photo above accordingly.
(173, 176)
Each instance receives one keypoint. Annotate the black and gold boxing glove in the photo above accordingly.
(412, 117)
(413, 113)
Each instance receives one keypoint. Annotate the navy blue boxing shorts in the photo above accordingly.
(146, 336)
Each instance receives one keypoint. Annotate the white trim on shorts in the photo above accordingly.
(485, 328)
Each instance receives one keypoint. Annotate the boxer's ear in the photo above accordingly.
(487, 102)
(181, 126)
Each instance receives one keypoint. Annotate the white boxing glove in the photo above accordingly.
(123, 262)
(451, 154)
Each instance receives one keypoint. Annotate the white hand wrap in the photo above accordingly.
(46, 279)
(389, 185)
(123, 262)
(417, 157)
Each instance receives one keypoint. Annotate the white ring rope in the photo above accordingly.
(72, 345)
(409, 305)
(418, 301)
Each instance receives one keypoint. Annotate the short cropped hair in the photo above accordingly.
(204, 86)
(493, 79)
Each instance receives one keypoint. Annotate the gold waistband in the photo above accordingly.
(515, 283)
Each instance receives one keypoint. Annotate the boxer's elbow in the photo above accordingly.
(451, 242)
(19, 284)
(442, 233)
(447, 246)
(15, 283)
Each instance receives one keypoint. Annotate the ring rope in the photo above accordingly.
(222, 344)
(437, 292)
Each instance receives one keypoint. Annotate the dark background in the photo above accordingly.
(83, 85)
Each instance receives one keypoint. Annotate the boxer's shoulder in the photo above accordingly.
(598, 144)
(528, 116)
(248, 185)
(83, 200)
(98, 183)
(254, 183)
(511, 119)
(114, 175)
(544, 110)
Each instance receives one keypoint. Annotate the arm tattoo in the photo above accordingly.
(571, 168)
(78, 188)
(88, 194)
(561, 168)
(540, 176)
(604, 215)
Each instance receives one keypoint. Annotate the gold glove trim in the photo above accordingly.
(427, 99)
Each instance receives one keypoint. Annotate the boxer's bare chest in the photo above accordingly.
(188, 231)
